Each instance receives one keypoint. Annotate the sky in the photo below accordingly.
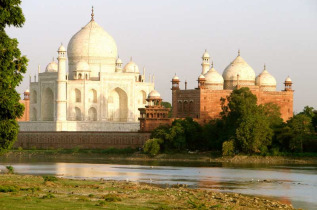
(170, 36)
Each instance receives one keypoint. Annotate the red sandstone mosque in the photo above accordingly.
(203, 103)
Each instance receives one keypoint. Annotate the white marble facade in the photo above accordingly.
(96, 91)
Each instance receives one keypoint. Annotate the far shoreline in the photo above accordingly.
(99, 156)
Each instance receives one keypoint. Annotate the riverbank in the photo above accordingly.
(132, 155)
(39, 192)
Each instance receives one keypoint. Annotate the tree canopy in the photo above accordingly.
(12, 66)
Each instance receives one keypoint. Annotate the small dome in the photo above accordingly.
(201, 77)
(265, 79)
(61, 48)
(119, 61)
(27, 90)
(131, 67)
(175, 77)
(213, 77)
(288, 79)
(82, 66)
(206, 54)
(154, 95)
(239, 67)
(52, 67)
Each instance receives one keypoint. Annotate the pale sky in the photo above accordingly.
(170, 36)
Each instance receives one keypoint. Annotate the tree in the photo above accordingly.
(12, 66)
(166, 104)
(246, 122)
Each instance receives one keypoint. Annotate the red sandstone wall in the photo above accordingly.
(26, 114)
(85, 140)
(208, 106)
(147, 125)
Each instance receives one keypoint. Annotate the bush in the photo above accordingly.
(275, 151)
(152, 146)
(6, 189)
(10, 169)
(20, 149)
(228, 148)
(48, 196)
(112, 198)
(49, 178)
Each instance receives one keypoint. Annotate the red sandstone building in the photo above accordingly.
(26, 103)
(204, 102)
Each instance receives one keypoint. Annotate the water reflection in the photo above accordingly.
(290, 184)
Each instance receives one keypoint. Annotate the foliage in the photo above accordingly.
(152, 146)
(10, 169)
(228, 148)
(49, 178)
(112, 197)
(168, 105)
(6, 189)
(12, 66)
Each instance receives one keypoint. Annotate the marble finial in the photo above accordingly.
(239, 52)
(92, 13)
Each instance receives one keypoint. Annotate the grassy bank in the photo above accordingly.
(129, 154)
(36, 192)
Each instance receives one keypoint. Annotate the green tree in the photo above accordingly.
(301, 127)
(168, 105)
(308, 111)
(12, 66)
(152, 146)
(246, 122)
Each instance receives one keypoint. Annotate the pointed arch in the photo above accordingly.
(47, 105)
(92, 97)
(77, 114)
(118, 105)
(76, 96)
(92, 114)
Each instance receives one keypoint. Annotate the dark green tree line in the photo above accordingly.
(12, 66)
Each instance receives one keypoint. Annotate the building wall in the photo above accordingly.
(85, 140)
(26, 114)
(208, 105)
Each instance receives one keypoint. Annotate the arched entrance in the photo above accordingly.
(118, 105)
(47, 108)
(92, 114)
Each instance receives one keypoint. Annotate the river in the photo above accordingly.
(292, 184)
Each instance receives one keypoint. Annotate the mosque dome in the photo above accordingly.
(265, 79)
(238, 67)
(206, 54)
(201, 77)
(61, 48)
(154, 95)
(82, 66)
(27, 90)
(175, 77)
(131, 67)
(288, 79)
(52, 67)
(213, 77)
(119, 61)
(93, 44)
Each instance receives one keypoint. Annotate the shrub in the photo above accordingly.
(228, 148)
(10, 169)
(20, 148)
(275, 151)
(112, 198)
(6, 189)
(49, 178)
(152, 146)
(48, 196)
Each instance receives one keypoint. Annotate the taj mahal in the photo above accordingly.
(95, 93)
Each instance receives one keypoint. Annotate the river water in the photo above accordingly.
(292, 184)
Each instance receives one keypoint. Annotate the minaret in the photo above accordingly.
(205, 63)
(61, 84)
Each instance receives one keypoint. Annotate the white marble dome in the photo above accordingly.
(92, 43)
(175, 77)
(288, 79)
(82, 66)
(206, 54)
(51, 67)
(201, 77)
(213, 77)
(119, 61)
(154, 95)
(239, 67)
(131, 67)
(265, 79)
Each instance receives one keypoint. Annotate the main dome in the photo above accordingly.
(95, 46)
(238, 67)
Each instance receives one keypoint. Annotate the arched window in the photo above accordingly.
(92, 96)
(77, 96)
(47, 105)
(77, 114)
(186, 107)
(92, 114)
(34, 115)
(191, 106)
